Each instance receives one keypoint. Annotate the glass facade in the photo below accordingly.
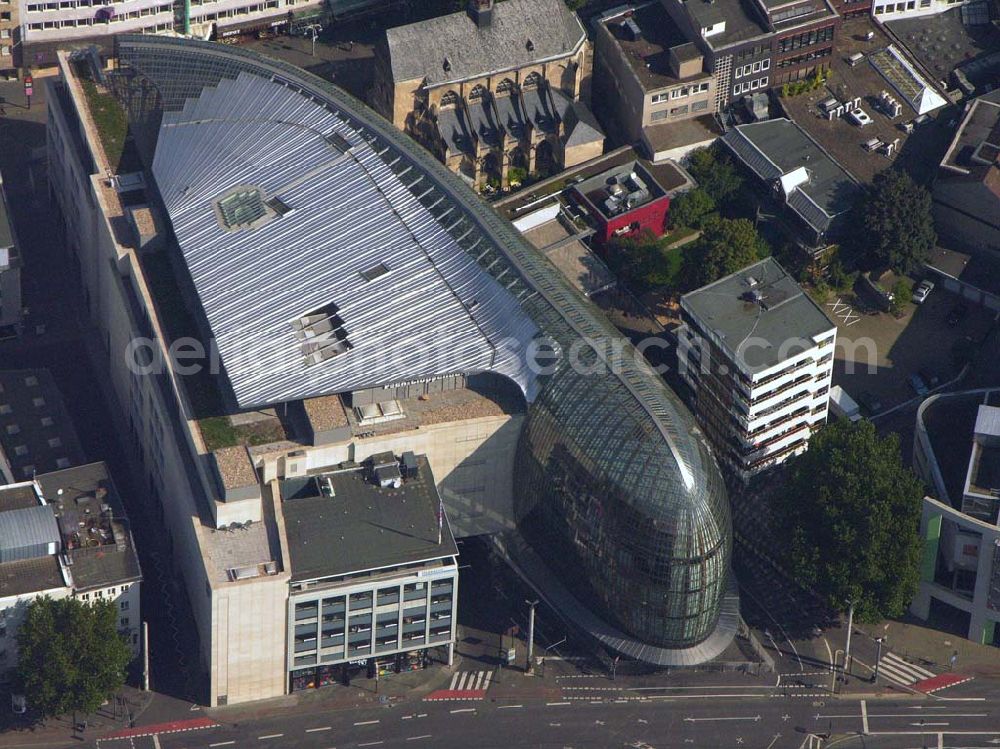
(615, 487)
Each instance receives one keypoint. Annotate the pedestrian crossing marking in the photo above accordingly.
(893, 668)
(471, 680)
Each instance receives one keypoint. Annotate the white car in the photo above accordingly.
(859, 117)
(922, 291)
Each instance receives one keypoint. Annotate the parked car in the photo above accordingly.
(869, 402)
(917, 384)
(957, 314)
(922, 291)
(930, 378)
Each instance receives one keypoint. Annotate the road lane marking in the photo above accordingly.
(754, 718)
(463, 710)
(421, 715)
(317, 730)
(930, 724)
(270, 736)
(906, 715)
(366, 722)
(417, 738)
(221, 743)
(508, 707)
(371, 743)
(557, 704)
(864, 717)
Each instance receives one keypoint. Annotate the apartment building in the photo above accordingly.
(757, 352)
(10, 272)
(64, 534)
(498, 87)
(417, 351)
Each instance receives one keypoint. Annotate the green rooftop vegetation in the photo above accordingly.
(218, 432)
(109, 117)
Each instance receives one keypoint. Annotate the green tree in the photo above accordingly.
(896, 228)
(902, 295)
(71, 657)
(848, 515)
(690, 209)
(725, 246)
(715, 173)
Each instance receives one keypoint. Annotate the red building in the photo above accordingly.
(624, 200)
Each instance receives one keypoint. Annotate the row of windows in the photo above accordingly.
(72, 23)
(752, 68)
(506, 86)
(799, 59)
(696, 106)
(806, 39)
(680, 93)
(235, 12)
(900, 7)
(756, 51)
(748, 86)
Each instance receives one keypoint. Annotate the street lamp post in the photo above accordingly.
(314, 30)
(878, 657)
(847, 647)
(531, 635)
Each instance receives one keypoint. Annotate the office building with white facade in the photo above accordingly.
(758, 353)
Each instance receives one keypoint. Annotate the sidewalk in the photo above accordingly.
(934, 649)
(58, 732)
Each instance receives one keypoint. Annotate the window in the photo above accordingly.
(756, 67)
(477, 94)
(21, 450)
(658, 98)
(241, 208)
(4, 33)
(699, 106)
(124, 605)
(679, 110)
(675, 94)
(763, 82)
(506, 86)
(765, 64)
(124, 621)
(534, 80)
(661, 115)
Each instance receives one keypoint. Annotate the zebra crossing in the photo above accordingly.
(904, 673)
(471, 680)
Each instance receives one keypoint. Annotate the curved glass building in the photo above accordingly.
(617, 495)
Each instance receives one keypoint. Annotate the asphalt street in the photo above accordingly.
(701, 720)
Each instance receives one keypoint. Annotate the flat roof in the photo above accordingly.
(753, 333)
(984, 472)
(104, 552)
(980, 123)
(742, 19)
(36, 433)
(941, 41)
(598, 189)
(363, 526)
(30, 576)
(649, 55)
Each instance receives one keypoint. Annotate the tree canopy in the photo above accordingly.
(725, 246)
(715, 173)
(849, 517)
(691, 209)
(70, 655)
(895, 229)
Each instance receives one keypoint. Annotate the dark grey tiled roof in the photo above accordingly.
(30, 576)
(419, 50)
(777, 147)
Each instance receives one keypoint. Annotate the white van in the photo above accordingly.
(842, 405)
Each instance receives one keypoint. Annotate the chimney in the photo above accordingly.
(481, 11)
